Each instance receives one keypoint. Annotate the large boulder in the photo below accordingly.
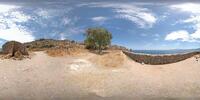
(14, 49)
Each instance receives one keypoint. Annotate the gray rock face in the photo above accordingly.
(14, 48)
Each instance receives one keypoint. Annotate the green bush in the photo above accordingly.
(97, 38)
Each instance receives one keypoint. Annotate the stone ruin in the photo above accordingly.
(13, 49)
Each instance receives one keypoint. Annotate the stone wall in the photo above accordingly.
(159, 59)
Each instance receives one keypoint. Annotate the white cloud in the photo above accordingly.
(43, 13)
(16, 34)
(68, 32)
(48, 13)
(193, 10)
(183, 35)
(74, 30)
(99, 19)
(139, 15)
(196, 34)
(10, 29)
(17, 16)
(66, 21)
(194, 19)
(187, 7)
(6, 8)
(62, 36)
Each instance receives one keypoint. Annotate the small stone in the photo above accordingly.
(142, 63)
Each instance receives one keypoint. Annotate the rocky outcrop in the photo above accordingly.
(46, 44)
(14, 49)
(56, 47)
(116, 47)
(159, 59)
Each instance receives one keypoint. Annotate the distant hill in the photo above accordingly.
(43, 44)
(198, 49)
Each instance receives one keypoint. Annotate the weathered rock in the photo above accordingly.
(18, 55)
(14, 49)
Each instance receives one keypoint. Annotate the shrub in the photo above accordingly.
(97, 38)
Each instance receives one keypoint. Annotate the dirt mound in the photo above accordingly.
(113, 58)
(14, 49)
(65, 52)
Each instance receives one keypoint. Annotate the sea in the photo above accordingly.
(161, 52)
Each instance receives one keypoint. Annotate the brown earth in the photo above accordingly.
(111, 76)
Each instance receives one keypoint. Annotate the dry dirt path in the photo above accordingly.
(80, 78)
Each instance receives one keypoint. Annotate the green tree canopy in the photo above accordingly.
(97, 38)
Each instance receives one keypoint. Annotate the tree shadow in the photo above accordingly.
(97, 52)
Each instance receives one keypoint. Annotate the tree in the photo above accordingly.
(97, 38)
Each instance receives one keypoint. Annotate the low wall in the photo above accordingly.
(159, 59)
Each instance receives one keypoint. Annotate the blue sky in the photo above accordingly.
(134, 24)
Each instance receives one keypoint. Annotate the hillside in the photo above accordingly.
(44, 44)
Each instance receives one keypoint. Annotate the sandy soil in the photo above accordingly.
(90, 77)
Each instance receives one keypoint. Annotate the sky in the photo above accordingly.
(135, 24)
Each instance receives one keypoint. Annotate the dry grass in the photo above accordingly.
(64, 52)
(113, 58)
(1, 56)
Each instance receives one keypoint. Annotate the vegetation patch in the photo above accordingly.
(97, 39)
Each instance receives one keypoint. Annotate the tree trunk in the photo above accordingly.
(99, 49)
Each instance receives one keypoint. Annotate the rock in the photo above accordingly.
(142, 63)
(14, 49)
(18, 55)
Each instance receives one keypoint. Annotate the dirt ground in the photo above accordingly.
(94, 77)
